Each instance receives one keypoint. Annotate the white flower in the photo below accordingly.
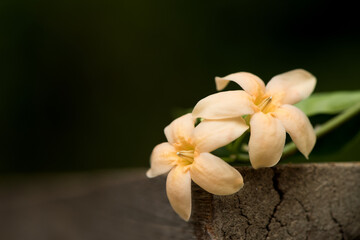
(269, 110)
(186, 155)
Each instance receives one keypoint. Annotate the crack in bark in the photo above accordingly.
(341, 231)
(262, 210)
(248, 224)
(243, 215)
(241, 211)
(281, 196)
(307, 215)
(305, 210)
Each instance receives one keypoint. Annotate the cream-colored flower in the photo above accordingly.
(186, 155)
(270, 112)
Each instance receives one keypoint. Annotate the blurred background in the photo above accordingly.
(91, 84)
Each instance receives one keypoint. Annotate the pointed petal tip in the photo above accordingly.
(306, 154)
(259, 166)
(220, 83)
(295, 85)
(304, 72)
(240, 183)
(264, 164)
(185, 217)
(162, 159)
(267, 140)
(311, 147)
(178, 190)
(215, 176)
(300, 72)
(251, 83)
(149, 174)
(298, 125)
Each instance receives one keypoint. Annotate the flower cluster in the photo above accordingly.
(266, 111)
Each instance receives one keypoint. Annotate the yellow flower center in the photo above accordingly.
(266, 104)
(186, 157)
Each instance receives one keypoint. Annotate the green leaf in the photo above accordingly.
(329, 103)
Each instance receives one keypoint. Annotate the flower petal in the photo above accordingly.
(212, 134)
(298, 126)
(162, 159)
(251, 83)
(180, 130)
(224, 105)
(214, 175)
(178, 190)
(267, 140)
(292, 86)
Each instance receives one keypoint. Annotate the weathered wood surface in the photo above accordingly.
(310, 201)
(121, 205)
(314, 201)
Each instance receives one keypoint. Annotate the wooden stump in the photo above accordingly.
(308, 201)
(312, 201)
(109, 205)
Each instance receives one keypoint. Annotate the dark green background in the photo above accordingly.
(91, 84)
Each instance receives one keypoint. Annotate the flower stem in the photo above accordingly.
(323, 129)
(240, 157)
(236, 144)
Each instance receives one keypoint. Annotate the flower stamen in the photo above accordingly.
(264, 103)
(188, 154)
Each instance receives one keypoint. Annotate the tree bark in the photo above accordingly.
(308, 201)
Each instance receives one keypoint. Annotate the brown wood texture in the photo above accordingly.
(309, 201)
(313, 201)
(122, 205)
